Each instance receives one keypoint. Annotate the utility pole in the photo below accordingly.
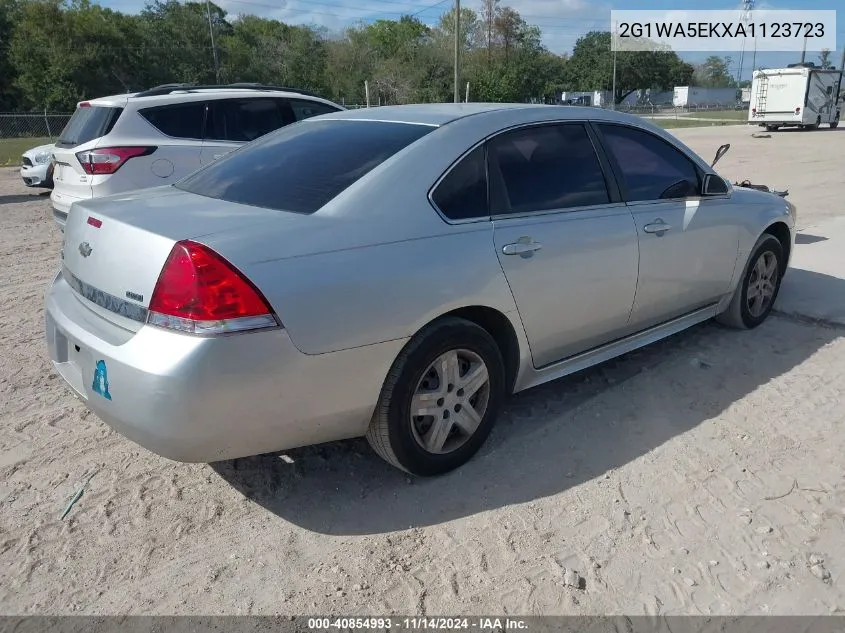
(457, 51)
(213, 47)
(804, 50)
(745, 17)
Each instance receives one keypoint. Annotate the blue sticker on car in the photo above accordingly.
(101, 380)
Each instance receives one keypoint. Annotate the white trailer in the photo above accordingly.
(798, 96)
(693, 96)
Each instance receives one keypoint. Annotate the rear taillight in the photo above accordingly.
(200, 292)
(753, 110)
(797, 110)
(107, 160)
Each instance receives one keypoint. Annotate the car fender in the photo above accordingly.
(758, 213)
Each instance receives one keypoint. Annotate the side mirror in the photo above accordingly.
(714, 186)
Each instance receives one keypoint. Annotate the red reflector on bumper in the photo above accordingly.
(95, 222)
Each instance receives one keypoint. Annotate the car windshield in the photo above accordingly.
(87, 123)
(301, 167)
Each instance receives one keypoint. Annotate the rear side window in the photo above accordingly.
(651, 168)
(547, 167)
(243, 120)
(300, 168)
(88, 123)
(304, 109)
(462, 194)
(180, 120)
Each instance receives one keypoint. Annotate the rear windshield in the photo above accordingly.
(88, 123)
(303, 166)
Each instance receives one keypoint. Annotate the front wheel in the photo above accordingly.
(440, 399)
(757, 290)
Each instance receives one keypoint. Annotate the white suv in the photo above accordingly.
(156, 137)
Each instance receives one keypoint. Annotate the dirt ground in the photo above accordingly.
(702, 475)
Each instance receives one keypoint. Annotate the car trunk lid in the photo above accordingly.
(115, 248)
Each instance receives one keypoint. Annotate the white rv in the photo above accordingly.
(797, 96)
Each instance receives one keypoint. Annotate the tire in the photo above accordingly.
(739, 315)
(835, 123)
(772, 128)
(402, 440)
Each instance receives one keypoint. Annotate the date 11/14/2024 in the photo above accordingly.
(481, 624)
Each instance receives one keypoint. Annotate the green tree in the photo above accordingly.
(714, 72)
(271, 52)
(10, 95)
(63, 54)
(176, 43)
(591, 67)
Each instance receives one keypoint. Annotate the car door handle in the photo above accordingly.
(216, 156)
(520, 248)
(658, 226)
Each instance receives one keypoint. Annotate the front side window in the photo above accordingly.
(651, 168)
(545, 168)
(462, 194)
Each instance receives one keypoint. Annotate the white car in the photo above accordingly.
(126, 142)
(36, 169)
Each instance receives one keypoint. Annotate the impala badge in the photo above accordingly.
(85, 249)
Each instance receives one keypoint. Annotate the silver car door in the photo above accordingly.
(567, 245)
(688, 243)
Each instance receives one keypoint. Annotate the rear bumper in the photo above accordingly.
(61, 203)
(196, 399)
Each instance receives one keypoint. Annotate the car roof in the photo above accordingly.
(188, 94)
(438, 114)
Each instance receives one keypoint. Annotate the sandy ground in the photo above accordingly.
(701, 475)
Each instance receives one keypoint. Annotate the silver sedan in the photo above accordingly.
(395, 273)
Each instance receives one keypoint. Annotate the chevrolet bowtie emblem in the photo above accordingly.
(85, 249)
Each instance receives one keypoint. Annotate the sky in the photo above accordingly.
(561, 21)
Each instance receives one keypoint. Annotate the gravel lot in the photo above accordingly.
(701, 475)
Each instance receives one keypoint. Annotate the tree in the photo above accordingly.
(471, 28)
(10, 97)
(490, 12)
(270, 52)
(63, 54)
(714, 73)
(176, 41)
(591, 67)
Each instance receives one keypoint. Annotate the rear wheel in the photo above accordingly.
(440, 399)
(835, 123)
(756, 293)
(772, 128)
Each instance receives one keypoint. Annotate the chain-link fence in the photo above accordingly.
(43, 125)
